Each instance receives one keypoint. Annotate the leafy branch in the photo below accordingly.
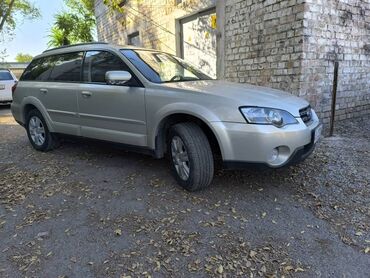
(75, 25)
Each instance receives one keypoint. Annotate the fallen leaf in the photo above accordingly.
(252, 253)
(220, 269)
(288, 268)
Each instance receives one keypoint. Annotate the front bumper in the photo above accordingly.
(245, 144)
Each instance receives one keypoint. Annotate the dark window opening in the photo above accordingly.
(67, 67)
(38, 70)
(134, 39)
(122, 3)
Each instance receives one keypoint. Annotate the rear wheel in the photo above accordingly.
(191, 156)
(38, 133)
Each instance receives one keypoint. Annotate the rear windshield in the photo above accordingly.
(5, 75)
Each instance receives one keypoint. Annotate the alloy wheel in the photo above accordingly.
(180, 158)
(37, 131)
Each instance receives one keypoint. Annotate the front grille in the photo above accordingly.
(306, 114)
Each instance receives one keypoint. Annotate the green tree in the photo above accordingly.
(75, 25)
(23, 58)
(13, 11)
(114, 5)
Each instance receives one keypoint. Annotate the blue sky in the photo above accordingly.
(32, 36)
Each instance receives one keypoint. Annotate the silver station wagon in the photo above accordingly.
(156, 103)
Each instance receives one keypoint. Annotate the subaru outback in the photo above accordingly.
(156, 103)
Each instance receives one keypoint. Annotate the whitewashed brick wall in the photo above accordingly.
(337, 31)
(292, 45)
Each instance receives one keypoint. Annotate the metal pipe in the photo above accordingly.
(334, 98)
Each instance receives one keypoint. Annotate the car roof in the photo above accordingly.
(87, 47)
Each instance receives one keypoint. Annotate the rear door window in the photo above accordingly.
(5, 76)
(38, 70)
(66, 67)
(97, 63)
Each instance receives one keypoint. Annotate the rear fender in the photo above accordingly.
(39, 106)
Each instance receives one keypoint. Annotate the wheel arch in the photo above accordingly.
(161, 135)
(31, 103)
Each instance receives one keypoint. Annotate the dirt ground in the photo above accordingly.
(91, 210)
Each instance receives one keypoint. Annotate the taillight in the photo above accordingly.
(14, 87)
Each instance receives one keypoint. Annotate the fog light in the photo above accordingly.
(273, 155)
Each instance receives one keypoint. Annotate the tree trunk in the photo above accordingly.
(6, 15)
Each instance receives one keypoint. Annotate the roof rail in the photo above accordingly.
(78, 44)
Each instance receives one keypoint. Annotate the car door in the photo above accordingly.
(56, 86)
(111, 112)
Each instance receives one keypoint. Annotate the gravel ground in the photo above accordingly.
(90, 210)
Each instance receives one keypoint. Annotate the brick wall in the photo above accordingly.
(337, 31)
(292, 45)
(264, 43)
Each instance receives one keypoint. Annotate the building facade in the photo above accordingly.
(285, 44)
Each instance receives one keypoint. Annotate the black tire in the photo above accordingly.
(199, 154)
(50, 140)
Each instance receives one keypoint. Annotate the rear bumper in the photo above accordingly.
(16, 111)
(245, 144)
(5, 96)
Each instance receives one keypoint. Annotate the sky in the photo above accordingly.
(31, 37)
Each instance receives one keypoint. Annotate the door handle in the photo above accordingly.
(86, 94)
(44, 91)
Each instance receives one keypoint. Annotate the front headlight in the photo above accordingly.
(267, 116)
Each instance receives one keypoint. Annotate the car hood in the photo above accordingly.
(244, 94)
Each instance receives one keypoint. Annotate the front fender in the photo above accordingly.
(194, 110)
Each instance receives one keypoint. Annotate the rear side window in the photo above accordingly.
(5, 75)
(38, 70)
(67, 67)
(97, 63)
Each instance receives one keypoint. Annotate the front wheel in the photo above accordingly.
(191, 156)
(38, 133)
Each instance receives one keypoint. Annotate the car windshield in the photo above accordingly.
(5, 75)
(159, 67)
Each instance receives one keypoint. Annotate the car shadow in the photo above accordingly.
(103, 154)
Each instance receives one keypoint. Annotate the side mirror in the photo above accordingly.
(117, 77)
